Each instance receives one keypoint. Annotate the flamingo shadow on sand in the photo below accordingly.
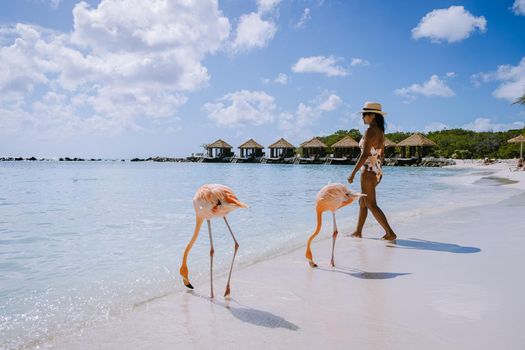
(251, 315)
(364, 274)
(433, 246)
(260, 318)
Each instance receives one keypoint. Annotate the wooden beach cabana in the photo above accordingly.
(280, 150)
(416, 145)
(390, 147)
(345, 148)
(344, 151)
(218, 151)
(251, 149)
(312, 150)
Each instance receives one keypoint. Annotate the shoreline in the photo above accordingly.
(394, 161)
(265, 306)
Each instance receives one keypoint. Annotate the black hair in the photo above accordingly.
(379, 121)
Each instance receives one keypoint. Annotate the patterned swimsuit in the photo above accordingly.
(373, 161)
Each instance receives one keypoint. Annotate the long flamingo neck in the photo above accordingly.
(319, 223)
(198, 224)
(184, 268)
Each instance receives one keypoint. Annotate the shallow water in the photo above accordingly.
(81, 242)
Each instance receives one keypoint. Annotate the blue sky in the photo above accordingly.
(142, 78)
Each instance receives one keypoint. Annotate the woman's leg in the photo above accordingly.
(363, 213)
(368, 186)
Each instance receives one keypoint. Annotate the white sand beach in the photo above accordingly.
(452, 280)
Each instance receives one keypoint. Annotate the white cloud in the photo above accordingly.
(359, 62)
(478, 124)
(432, 87)
(281, 79)
(241, 108)
(264, 6)
(308, 113)
(253, 32)
(486, 124)
(305, 17)
(319, 64)
(512, 80)
(453, 24)
(54, 3)
(519, 7)
(331, 103)
(123, 60)
(21, 68)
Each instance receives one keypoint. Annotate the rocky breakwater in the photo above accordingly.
(426, 162)
(436, 162)
(158, 159)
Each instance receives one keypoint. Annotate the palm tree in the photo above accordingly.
(520, 100)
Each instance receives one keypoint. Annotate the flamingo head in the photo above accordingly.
(351, 196)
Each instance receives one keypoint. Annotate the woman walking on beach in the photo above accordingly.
(369, 162)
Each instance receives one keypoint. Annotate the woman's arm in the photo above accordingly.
(364, 154)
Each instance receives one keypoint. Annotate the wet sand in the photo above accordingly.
(452, 280)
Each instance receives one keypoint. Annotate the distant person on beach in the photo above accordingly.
(369, 162)
(520, 165)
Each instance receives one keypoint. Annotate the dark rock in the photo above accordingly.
(436, 162)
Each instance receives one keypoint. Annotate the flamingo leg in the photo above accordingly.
(184, 267)
(211, 258)
(311, 238)
(334, 236)
(227, 292)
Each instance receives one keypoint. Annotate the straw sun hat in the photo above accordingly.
(372, 107)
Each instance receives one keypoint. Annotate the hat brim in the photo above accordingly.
(373, 111)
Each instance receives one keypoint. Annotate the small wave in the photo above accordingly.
(77, 179)
(495, 181)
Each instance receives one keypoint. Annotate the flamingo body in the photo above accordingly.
(331, 197)
(211, 201)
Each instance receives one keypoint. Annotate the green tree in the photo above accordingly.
(340, 134)
(456, 143)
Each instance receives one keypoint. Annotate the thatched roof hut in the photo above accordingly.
(345, 147)
(389, 143)
(314, 147)
(251, 148)
(281, 148)
(251, 143)
(281, 143)
(417, 140)
(416, 143)
(219, 144)
(313, 143)
(346, 142)
(221, 148)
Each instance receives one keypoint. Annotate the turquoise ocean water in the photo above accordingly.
(85, 241)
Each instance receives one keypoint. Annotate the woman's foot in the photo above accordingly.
(356, 234)
(389, 237)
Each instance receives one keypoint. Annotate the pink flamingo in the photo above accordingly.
(211, 201)
(331, 197)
